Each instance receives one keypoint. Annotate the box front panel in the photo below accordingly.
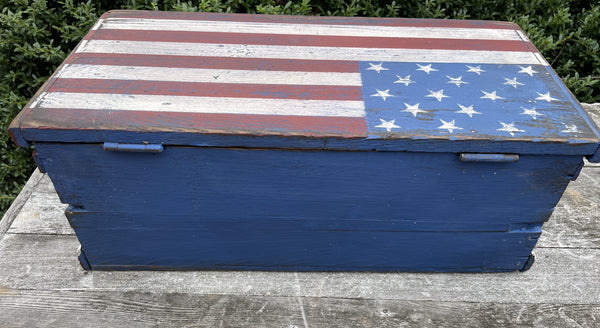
(336, 203)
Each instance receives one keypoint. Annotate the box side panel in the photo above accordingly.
(211, 183)
(147, 243)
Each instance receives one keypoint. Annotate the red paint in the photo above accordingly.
(216, 62)
(415, 22)
(310, 40)
(280, 125)
(315, 92)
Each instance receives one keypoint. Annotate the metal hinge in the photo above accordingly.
(143, 148)
(496, 158)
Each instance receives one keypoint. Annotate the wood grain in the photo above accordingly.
(145, 309)
(575, 222)
(565, 276)
(36, 216)
(19, 202)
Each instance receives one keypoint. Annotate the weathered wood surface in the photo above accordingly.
(42, 284)
(20, 201)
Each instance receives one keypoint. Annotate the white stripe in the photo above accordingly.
(316, 53)
(81, 46)
(97, 25)
(159, 103)
(541, 59)
(523, 36)
(310, 29)
(78, 71)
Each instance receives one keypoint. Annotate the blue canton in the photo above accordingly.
(420, 100)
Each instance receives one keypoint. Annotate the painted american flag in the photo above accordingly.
(309, 76)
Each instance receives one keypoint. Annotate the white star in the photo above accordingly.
(531, 112)
(383, 94)
(439, 95)
(378, 68)
(426, 68)
(413, 109)
(570, 129)
(510, 128)
(490, 95)
(512, 82)
(450, 126)
(546, 96)
(456, 81)
(475, 69)
(527, 70)
(387, 125)
(467, 110)
(406, 80)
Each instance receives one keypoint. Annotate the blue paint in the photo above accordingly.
(484, 119)
(430, 209)
(146, 243)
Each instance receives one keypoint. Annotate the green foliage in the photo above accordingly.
(36, 35)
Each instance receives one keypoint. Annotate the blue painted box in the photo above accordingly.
(210, 141)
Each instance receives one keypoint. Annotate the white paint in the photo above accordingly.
(450, 126)
(490, 95)
(384, 94)
(512, 82)
(316, 53)
(531, 112)
(527, 70)
(546, 96)
(310, 29)
(36, 100)
(81, 46)
(208, 75)
(413, 109)
(457, 81)
(161, 103)
(467, 110)
(404, 80)
(475, 69)
(388, 125)
(570, 128)
(510, 128)
(439, 95)
(426, 68)
(541, 59)
(378, 68)
(522, 36)
(97, 25)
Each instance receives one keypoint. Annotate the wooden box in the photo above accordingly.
(211, 141)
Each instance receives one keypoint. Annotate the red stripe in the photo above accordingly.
(207, 89)
(309, 40)
(411, 22)
(216, 62)
(309, 126)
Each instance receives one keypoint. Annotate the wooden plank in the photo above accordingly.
(42, 214)
(593, 110)
(45, 185)
(560, 276)
(575, 222)
(145, 309)
(19, 202)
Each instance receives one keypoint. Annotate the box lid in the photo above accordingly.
(308, 82)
